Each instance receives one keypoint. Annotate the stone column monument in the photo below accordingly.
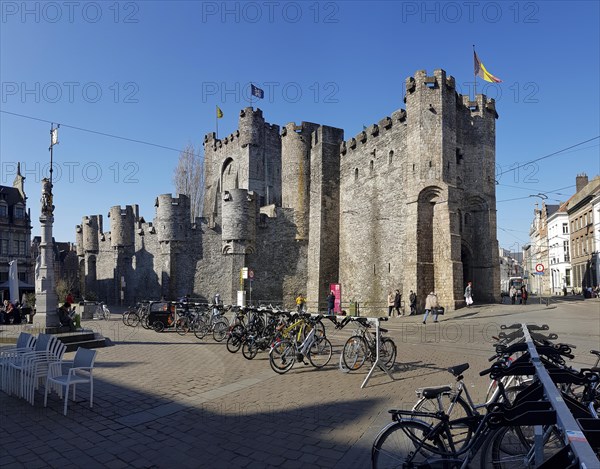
(45, 291)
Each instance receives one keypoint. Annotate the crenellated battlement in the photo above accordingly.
(374, 131)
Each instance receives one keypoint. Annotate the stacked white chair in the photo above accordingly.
(15, 376)
(25, 343)
(35, 369)
(80, 372)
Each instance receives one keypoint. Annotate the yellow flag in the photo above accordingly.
(219, 113)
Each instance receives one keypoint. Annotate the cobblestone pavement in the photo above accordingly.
(167, 401)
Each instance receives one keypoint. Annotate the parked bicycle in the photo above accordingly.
(362, 346)
(295, 344)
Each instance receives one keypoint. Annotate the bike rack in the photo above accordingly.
(575, 439)
(378, 362)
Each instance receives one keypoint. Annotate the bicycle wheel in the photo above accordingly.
(234, 342)
(282, 356)
(220, 330)
(387, 352)
(200, 328)
(320, 352)
(402, 444)
(249, 349)
(512, 447)
(235, 339)
(133, 319)
(158, 326)
(355, 352)
(182, 327)
(461, 431)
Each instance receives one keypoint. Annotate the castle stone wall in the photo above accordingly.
(408, 203)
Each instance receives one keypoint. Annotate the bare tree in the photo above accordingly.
(189, 178)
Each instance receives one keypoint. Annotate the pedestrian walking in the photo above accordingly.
(431, 305)
(398, 303)
(413, 302)
(524, 295)
(331, 303)
(390, 300)
(513, 294)
(300, 303)
(469, 294)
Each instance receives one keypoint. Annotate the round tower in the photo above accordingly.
(92, 227)
(251, 126)
(122, 226)
(172, 217)
(295, 172)
(239, 216)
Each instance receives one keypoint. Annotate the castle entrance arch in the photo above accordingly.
(428, 212)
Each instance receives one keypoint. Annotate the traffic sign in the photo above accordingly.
(539, 268)
(250, 274)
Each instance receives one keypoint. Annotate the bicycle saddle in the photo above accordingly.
(432, 393)
(458, 369)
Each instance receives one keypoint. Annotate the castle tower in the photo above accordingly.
(122, 241)
(323, 244)
(295, 158)
(91, 228)
(449, 155)
(172, 224)
(249, 158)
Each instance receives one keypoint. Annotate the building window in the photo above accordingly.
(391, 157)
(356, 174)
(371, 167)
(19, 212)
(565, 228)
(3, 210)
(3, 246)
(566, 250)
(568, 277)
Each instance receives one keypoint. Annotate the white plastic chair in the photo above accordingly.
(25, 343)
(14, 377)
(79, 373)
(35, 369)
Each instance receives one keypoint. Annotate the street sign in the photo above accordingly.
(250, 274)
(539, 268)
(245, 272)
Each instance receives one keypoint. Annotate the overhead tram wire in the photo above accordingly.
(547, 156)
(104, 134)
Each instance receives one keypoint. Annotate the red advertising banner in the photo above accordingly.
(336, 288)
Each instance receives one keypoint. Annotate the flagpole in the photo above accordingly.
(217, 119)
(251, 95)
(474, 76)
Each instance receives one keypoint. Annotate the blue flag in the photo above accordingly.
(256, 91)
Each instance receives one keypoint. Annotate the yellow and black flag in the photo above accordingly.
(481, 71)
(219, 113)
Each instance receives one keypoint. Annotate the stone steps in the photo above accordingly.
(86, 339)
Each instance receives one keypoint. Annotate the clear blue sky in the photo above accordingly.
(154, 72)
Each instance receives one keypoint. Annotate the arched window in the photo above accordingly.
(356, 174)
(371, 167)
(391, 157)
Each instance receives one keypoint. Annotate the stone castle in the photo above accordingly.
(409, 203)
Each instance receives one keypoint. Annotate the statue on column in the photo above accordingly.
(47, 207)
